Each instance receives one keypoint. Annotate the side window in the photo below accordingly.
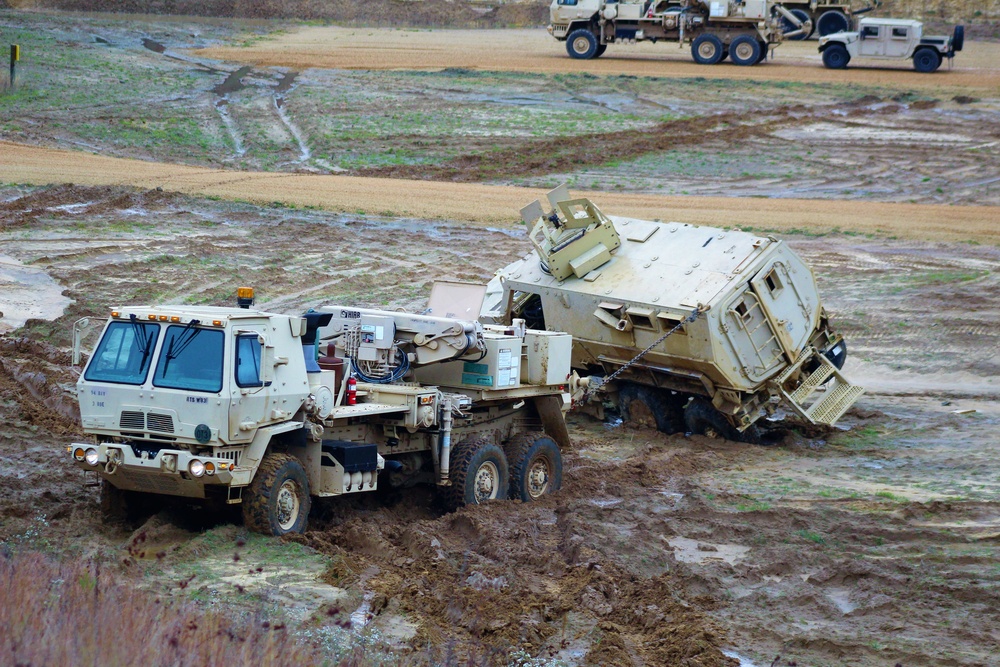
(567, 2)
(900, 33)
(248, 362)
(870, 31)
(773, 281)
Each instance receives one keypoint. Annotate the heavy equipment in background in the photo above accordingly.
(687, 328)
(825, 17)
(232, 405)
(742, 30)
(892, 39)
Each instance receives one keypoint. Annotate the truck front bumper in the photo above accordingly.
(175, 472)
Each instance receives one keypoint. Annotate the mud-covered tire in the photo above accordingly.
(832, 21)
(835, 56)
(601, 48)
(707, 50)
(648, 406)
(535, 466)
(114, 503)
(745, 50)
(958, 38)
(478, 472)
(277, 502)
(787, 26)
(702, 418)
(926, 60)
(582, 44)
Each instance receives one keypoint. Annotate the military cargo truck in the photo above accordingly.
(232, 406)
(689, 328)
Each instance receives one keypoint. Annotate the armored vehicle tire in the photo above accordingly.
(745, 50)
(478, 472)
(958, 38)
(582, 44)
(648, 406)
(926, 59)
(707, 50)
(601, 48)
(535, 466)
(831, 22)
(119, 506)
(787, 26)
(835, 56)
(702, 418)
(277, 502)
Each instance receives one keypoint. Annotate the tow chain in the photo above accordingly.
(598, 387)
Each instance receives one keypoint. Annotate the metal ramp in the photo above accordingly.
(822, 396)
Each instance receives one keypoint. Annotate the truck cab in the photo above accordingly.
(890, 38)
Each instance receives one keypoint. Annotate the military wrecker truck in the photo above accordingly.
(687, 328)
(742, 30)
(231, 405)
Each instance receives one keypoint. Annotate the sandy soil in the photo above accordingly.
(536, 51)
(492, 204)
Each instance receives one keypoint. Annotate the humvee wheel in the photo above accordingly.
(745, 50)
(535, 466)
(702, 418)
(835, 56)
(582, 44)
(649, 406)
(831, 22)
(478, 472)
(958, 38)
(707, 50)
(926, 60)
(277, 501)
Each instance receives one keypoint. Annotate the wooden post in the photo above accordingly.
(15, 55)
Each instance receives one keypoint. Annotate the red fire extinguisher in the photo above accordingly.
(352, 391)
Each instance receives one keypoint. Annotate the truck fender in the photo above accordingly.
(550, 411)
(254, 454)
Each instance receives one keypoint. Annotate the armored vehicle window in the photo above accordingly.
(190, 358)
(900, 33)
(669, 322)
(124, 353)
(869, 31)
(773, 281)
(641, 318)
(530, 310)
(742, 310)
(248, 362)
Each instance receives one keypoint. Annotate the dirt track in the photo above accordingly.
(492, 204)
(536, 51)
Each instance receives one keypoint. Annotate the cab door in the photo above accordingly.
(872, 41)
(250, 384)
(898, 42)
(751, 338)
(790, 311)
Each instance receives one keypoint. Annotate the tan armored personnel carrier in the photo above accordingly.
(690, 328)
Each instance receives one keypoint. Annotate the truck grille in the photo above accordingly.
(132, 421)
(162, 423)
(137, 421)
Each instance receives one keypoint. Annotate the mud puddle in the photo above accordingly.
(27, 292)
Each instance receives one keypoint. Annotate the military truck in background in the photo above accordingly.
(825, 17)
(742, 30)
(232, 406)
(688, 328)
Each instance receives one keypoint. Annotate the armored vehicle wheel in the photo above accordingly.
(926, 60)
(835, 56)
(745, 50)
(478, 473)
(702, 418)
(277, 501)
(601, 48)
(831, 22)
(652, 407)
(114, 503)
(582, 44)
(707, 50)
(787, 26)
(958, 38)
(535, 466)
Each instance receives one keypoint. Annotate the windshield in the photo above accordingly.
(124, 353)
(190, 358)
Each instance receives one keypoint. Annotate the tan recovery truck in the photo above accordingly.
(689, 328)
(231, 405)
(742, 30)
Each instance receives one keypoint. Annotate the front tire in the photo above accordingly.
(702, 418)
(535, 466)
(277, 501)
(707, 50)
(835, 56)
(651, 407)
(745, 50)
(831, 22)
(582, 44)
(478, 473)
(926, 60)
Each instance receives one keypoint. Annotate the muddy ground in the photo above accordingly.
(875, 543)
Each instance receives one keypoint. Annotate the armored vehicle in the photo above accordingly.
(691, 328)
(232, 406)
(897, 39)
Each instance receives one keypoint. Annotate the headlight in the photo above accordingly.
(78, 453)
(92, 457)
(196, 468)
